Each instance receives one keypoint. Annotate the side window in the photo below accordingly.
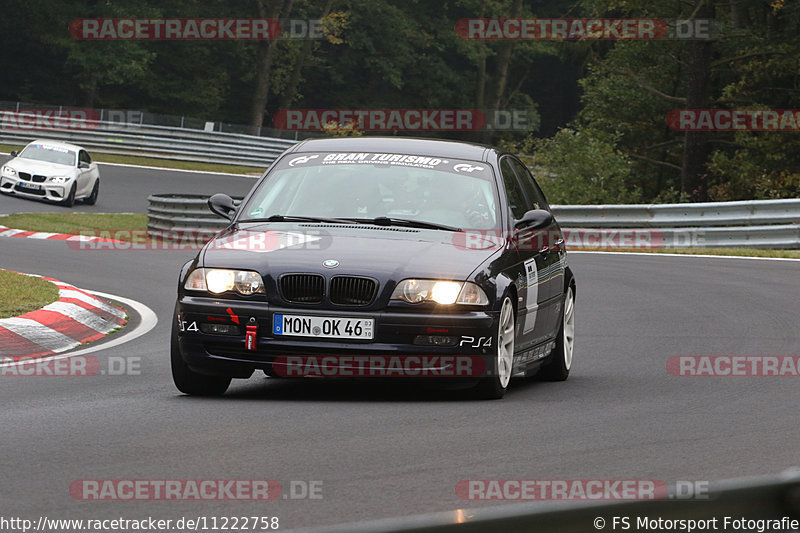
(516, 199)
(532, 191)
(83, 157)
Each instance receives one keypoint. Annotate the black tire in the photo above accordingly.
(493, 386)
(92, 198)
(69, 201)
(188, 381)
(557, 369)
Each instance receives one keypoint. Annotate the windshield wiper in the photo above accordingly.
(294, 218)
(406, 222)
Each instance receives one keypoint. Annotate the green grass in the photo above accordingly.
(20, 294)
(741, 252)
(162, 163)
(75, 223)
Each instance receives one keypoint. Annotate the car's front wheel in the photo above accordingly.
(69, 201)
(493, 386)
(92, 198)
(190, 382)
(561, 360)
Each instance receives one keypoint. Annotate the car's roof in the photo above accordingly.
(396, 145)
(59, 144)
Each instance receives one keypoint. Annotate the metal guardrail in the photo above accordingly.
(744, 213)
(762, 498)
(743, 224)
(157, 141)
(176, 214)
(590, 226)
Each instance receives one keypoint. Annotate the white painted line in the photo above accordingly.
(41, 235)
(706, 256)
(148, 322)
(47, 338)
(11, 232)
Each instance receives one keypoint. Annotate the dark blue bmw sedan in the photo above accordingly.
(380, 257)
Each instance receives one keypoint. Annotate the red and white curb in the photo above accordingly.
(75, 318)
(12, 232)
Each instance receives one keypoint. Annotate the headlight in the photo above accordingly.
(58, 179)
(219, 280)
(8, 170)
(443, 292)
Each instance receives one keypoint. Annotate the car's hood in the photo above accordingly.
(40, 167)
(385, 253)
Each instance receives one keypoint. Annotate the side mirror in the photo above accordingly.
(222, 205)
(14, 153)
(83, 164)
(534, 219)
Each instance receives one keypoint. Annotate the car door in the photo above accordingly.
(526, 269)
(85, 179)
(551, 243)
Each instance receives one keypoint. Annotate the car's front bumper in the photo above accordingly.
(28, 189)
(472, 335)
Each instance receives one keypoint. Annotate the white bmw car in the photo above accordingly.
(52, 170)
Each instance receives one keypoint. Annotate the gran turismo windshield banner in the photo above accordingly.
(378, 159)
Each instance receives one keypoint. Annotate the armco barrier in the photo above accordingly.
(182, 213)
(158, 141)
(764, 498)
(590, 226)
(744, 213)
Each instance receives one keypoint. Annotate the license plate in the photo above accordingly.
(32, 186)
(323, 327)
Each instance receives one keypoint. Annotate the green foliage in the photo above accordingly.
(583, 168)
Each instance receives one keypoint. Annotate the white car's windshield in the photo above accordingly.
(447, 192)
(49, 154)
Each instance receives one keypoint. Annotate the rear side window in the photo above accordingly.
(535, 195)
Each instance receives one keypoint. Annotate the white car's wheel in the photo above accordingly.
(92, 198)
(69, 201)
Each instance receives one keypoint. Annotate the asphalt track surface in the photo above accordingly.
(394, 450)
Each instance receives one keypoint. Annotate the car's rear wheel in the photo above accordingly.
(558, 368)
(493, 387)
(92, 198)
(190, 382)
(69, 201)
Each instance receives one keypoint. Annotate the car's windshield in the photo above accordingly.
(49, 154)
(444, 191)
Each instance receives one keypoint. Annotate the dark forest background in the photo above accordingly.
(599, 134)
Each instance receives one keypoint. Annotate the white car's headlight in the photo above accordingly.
(219, 280)
(9, 171)
(58, 179)
(444, 292)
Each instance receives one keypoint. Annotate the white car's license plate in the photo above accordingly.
(326, 327)
(32, 186)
